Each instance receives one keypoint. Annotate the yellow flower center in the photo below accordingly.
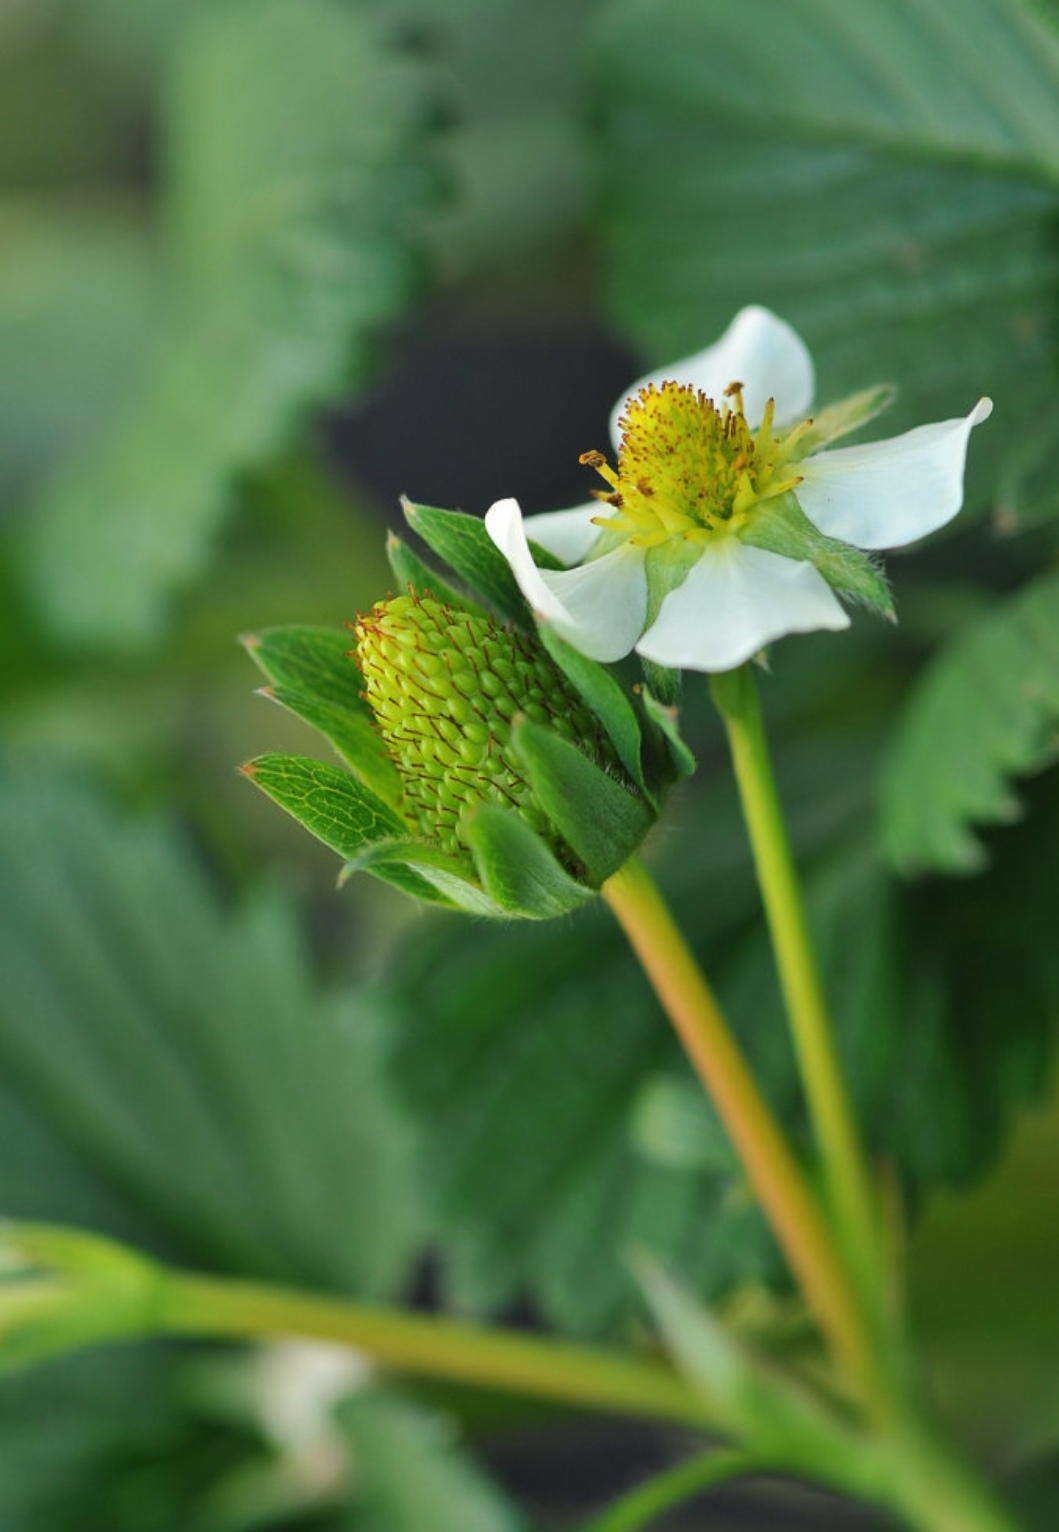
(687, 469)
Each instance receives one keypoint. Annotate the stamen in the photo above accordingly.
(597, 461)
(735, 391)
(688, 469)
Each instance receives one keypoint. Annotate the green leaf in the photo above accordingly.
(969, 80)
(605, 696)
(916, 978)
(987, 709)
(433, 874)
(766, 1409)
(328, 802)
(288, 131)
(998, 1333)
(599, 818)
(667, 720)
(466, 546)
(410, 570)
(784, 528)
(837, 420)
(314, 661)
(183, 1083)
(403, 876)
(517, 870)
(78, 1459)
(884, 179)
(1032, 1488)
(517, 151)
(674, 1123)
(522, 1056)
(74, 286)
(411, 1475)
(354, 737)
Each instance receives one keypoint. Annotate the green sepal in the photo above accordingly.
(407, 881)
(666, 720)
(662, 682)
(411, 573)
(355, 737)
(446, 878)
(601, 821)
(847, 415)
(314, 661)
(781, 526)
(665, 567)
(607, 699)
(327, 801)
(517, 870)
(462, 541)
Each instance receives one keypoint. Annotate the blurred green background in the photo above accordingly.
(265, 265)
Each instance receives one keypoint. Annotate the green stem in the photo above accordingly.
(93, 1289)
(656, 1496)
(933, 1490)
(848, 1181)
(185, 1303)
(767, 1157)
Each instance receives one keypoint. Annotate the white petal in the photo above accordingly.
(889, 493)
(567, 534)
(760, 351)
(599, 607)
(735, 600)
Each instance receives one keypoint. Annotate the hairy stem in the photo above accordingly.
(766, 1155)
(851, 1197)
(425, 1346)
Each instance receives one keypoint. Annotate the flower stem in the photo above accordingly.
(767, 1157)
(655, 1496)
(934, 1491)
(593, 1377)
(851, 1197)
(80, 1288)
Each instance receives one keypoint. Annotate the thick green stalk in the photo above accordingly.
(852, 1202)
(426, 1346)
(766, 1155)
(932, 1490)
(78, 1289)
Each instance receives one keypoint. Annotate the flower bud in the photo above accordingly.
(484, 766)
(445, 685)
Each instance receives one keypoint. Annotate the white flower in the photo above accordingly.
(682, 559)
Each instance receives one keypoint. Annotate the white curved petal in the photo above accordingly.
(888, 493)
(567, 534)
(760, 351)
(599, 607)
(735, 600)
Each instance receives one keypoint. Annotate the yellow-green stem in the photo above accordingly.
(642, 1506)
(851, 1199)
(766, 1155)
(934, 1491)
(425, 1346)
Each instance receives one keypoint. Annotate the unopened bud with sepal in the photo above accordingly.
(478, 772)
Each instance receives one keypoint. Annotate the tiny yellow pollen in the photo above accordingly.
(689, 469)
